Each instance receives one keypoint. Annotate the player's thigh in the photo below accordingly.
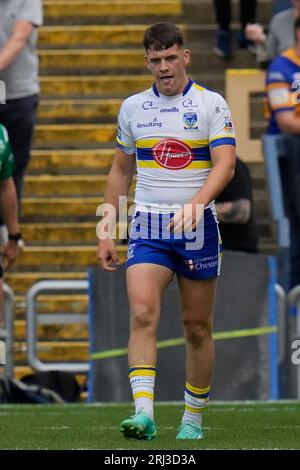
(197, 299)
(146, 283)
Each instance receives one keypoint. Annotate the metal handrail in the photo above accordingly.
(7, 333)
(33, 320)
(282, 311)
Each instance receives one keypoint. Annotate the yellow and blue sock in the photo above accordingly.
(196, 400)
(142, 381)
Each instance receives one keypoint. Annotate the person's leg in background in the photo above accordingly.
(223, 39)
(247, 15)
(280, 5)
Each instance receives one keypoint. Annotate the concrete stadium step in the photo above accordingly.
(70, 161)
(20, 371)
(60, 351)
(61, 185)
(68, 258)
(74, 135)
(92, 36)
(54, 303)
(84, 209)
(261, 205)
(20, 282)
(124, 11)
(61, 208)
(77, 12)
(83, 233)
(74, 331)
(110, 85)
(91, 86)
(264, 228)
(95, 36)
(41, 209)
(78, 110)
(83, 62)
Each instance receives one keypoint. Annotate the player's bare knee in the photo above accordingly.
(143, 316)
(196, 331)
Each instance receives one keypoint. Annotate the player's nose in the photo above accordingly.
(163, 65)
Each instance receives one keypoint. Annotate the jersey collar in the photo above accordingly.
(185, 91)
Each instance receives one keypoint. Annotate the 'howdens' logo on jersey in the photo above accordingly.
(172, 154)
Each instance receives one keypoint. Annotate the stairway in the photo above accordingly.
(90, 59)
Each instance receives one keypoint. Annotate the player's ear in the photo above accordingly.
(147, 61)
(186, 56)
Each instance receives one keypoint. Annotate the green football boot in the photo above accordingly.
(138, 426)
(190, 430)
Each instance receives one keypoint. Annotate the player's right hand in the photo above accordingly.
(107, 254)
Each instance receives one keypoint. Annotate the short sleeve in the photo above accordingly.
(220, 125)
(125, 139)
(279, 94)
(32, 11)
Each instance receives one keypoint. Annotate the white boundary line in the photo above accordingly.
(157, 403)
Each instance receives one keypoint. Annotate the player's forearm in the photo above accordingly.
(10, 51)
(118, 184)
(21, 32)
(9, 205)
(234, 212)
(288, 123)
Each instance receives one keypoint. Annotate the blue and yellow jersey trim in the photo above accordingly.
(223, 139)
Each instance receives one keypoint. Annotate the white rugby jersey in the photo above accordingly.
(171, 137)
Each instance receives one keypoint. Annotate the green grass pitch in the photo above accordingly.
(269, 425)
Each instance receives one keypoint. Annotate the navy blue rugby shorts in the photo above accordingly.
(195, 258)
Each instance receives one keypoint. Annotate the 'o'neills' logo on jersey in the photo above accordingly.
(172, 154)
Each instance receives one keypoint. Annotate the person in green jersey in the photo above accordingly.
(9, 211)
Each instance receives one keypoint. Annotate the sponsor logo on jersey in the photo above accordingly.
(172, 154)
(190, 119)
(170, 110)
(188, 103)
(228, 126)
(149, 105)
(154, 123)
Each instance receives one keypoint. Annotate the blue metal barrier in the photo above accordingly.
(274, 150)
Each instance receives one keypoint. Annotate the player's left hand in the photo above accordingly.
(187, 218)
(10, 253)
